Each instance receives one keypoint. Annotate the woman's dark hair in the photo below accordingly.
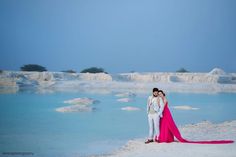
(155, 90)
(162, 92)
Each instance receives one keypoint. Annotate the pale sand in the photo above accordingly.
(200, 131)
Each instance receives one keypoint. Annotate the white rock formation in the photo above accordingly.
(75, 108)
(215, 81)
(125, 100)
(125, 94)
(185, 107)
(217, 71)
(82, 101)
(130, 108)
(78, 105)
(95, 77)
(196, 132)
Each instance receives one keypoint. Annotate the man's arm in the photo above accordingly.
(148, 103)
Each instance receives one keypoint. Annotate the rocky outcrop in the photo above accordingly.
(14, 81)
(95, 77)
(130, 108)
(125, 94)
(215, 76)
(75, 108)
(125, 100)
(185, 107)
(78, 105)
(217, 71)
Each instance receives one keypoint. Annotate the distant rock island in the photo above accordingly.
(214, 81)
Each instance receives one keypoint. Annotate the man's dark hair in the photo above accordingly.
(155, 90)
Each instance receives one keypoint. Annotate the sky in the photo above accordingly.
(119, 35)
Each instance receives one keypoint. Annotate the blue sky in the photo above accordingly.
(119, 35)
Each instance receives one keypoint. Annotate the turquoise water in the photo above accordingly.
(29, 122)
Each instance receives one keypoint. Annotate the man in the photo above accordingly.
(155, 107)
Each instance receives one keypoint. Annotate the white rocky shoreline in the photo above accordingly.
(215, 81)
(201, 131)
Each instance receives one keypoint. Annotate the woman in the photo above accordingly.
(169, 130)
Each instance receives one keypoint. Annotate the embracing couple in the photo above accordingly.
(162, 127)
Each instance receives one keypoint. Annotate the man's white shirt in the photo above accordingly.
(153, 101)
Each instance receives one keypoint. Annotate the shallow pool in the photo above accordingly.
(29, 122)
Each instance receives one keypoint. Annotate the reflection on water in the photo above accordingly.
(30, 123)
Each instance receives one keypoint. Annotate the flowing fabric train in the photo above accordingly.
(169, 130)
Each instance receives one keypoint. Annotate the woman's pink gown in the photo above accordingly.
(169, 130)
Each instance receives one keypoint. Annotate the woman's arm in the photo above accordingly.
(162, 105)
